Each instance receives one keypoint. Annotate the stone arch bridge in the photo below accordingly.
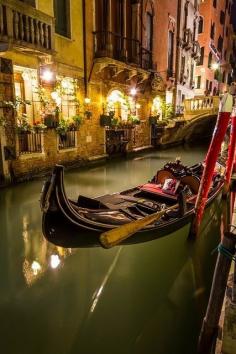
(200, 114)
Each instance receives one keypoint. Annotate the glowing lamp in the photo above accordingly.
(215, 66)
(87, 100)
(133, 91)
(54, 95)
(47, 75)
(138, 106)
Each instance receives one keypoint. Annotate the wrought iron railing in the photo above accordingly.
(115, 46)
(67, 140)
(30, 142)
(24, 26)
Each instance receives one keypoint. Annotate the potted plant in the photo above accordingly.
(22, 124)
(63, 127)
(51, 120)
(153, 120)
(77, 120)
(134, 120)
(39, 127)
(88, 114)
(105, 120)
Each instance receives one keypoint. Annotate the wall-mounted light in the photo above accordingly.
(133, 91)
(87, 100)
(47, 75)
(215, 66)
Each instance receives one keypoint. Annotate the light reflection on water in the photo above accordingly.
(125, 300)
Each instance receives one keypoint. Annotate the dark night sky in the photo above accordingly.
(234, 15)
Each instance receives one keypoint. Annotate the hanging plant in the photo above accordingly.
(63, 127)
(77, 120)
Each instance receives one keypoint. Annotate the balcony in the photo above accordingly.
(188, 39)
(114, 46)
(196, 50)
(25, 28)
(30, 142)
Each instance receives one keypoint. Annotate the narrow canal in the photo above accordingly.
(131, 299)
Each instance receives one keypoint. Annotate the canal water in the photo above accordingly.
(132, 299)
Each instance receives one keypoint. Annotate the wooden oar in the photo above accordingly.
(113, 237)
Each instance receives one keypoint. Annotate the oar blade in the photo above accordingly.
(113, 237)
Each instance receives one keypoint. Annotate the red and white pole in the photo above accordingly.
(225, 110)
(231, 153)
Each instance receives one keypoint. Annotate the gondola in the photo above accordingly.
(80, 223)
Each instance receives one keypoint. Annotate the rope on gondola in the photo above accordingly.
(225, 252)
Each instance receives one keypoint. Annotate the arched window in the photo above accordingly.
(119, 105)
(212, 30)
(220, 43)
(200, 25)
(210, 60)
(201, 58)
(149, 25)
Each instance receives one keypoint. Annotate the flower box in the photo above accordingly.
(105, 120)
(51, 121)
(152, 120)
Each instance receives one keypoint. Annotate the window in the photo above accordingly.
(201, 59)
(215, 3)
(225, 54)
(220, 44)
(62, 16)
(183, 66)
(191, 75)
(198, 82)
(200, 25)
(170, 52)
(26, 87)
(149, 31)
(223, 76)
(66, 90)
(207, 84)
(210, 60)
(212, 30)
(185, 14)
(222, 17)
(210, 87)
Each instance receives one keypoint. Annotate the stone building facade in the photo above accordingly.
(213, 72)
(188, 49)
(81, 80)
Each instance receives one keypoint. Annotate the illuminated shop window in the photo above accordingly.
(64, 96)
(26, 85)
(119, 105)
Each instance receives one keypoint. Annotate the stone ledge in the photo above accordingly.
(61, 151)
(98, 157)
(141, 148)
(34, 155)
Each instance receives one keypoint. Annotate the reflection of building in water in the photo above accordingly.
(39, 255)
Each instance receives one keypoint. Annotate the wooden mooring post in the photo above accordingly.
(209, 331)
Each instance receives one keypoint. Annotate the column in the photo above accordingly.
(109, 39)
(124, 41)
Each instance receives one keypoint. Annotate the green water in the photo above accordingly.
(145, 299)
